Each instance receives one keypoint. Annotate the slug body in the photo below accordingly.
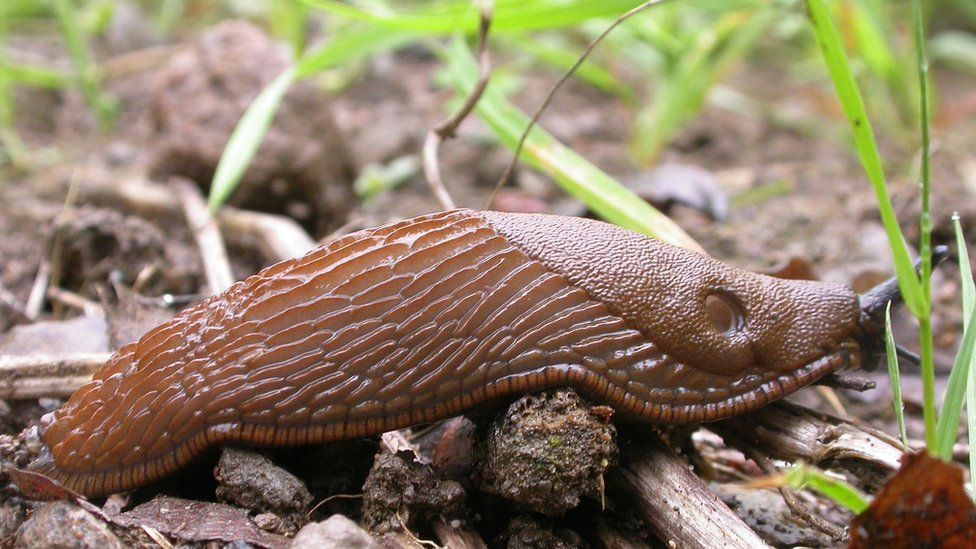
(429, 317)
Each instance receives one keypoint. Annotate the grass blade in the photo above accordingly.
(462, 16)
(34, 76)
(684, 90)
(968, 305)
(952, 403)
(803, 476)
(912, 288)
(925, 218)
(560, 58)
(831, 46)
(246, 138)
(87, 73)
(605, 196)
(894, 377)
(353, 44)
(253, 125)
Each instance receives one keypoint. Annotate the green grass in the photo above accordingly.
(692, 67)
(968, 309)
(247, 136)
(86, 72)
(600, 192)
(831, 45)
(894, 375)
(941, 427)
(445, 18)
(802, 476)
(690, 74)
(289, 20)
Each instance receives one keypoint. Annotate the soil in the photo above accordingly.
(788, 189)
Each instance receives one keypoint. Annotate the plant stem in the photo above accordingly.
(928, 381)
(925, 230)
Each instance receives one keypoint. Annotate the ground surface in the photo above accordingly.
(174, 119)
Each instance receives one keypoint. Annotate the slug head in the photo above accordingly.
(723, 327)
(730, 323)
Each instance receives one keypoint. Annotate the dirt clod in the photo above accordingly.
(252, 481)
(400, 491)
(198, 100)
(94, 242)
(525, 532)
(547, 452)
(62, 524)
(338, 532)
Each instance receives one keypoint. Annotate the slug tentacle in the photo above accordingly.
(429, 317)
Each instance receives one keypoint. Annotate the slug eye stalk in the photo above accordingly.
(872, 323)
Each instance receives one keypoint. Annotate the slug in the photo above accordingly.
(427, 318)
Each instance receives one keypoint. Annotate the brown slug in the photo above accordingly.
(427, 318)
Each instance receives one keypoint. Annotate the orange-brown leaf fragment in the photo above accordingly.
(923, 505)
(40, 487)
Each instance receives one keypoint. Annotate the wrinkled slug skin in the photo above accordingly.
(426, 318)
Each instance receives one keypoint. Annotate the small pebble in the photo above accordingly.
(252, 481)
(62, 524)
(338, 532)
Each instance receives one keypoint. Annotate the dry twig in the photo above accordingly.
(677, 505)
(447, 128)
(38, 376)
(74, 300)
(458, 537)
(510, 169)
(791, 432)
(278, 237)
(797, 507)
(38, 293)
(208, 239)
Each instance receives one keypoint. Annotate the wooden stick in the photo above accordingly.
(216, 265)
(72, 299)
(38, 376)
(677, 505)
(458, 537)
(38, 293)
(447, 128)
(278, 237)
(791, 432)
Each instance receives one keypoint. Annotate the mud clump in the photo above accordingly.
(252, 481)
(198, 100)
(547, 452)
(90, 243)
(525, 532)
(401, 492)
